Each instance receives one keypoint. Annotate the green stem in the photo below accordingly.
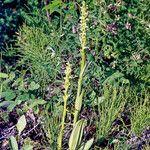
(65, 98)
(78, 101)
(62, 126)
(79, 97)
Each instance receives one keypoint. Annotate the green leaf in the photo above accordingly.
(76, 135)
(11, 106)
(13, 143)
(21, 124)
(78, 104)
(27, 147)
(5, 103)
(22, 98)
(8, 95)
(3, 75)
(54, 6)
(36, 102)
(114, 77)
(87, 145)
(8, 1)
(11, 75)
(34, 86)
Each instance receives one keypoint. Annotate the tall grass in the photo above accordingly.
(51, 123)
(140, 114)
(110, 105)
(37, 55)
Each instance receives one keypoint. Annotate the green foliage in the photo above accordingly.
(28, 144)
(119, 39)
(75, 141)
(51, 123)
(76, 135)
(8, 1)
(13, 143)
(21, 124)
(3, 75)
(54, 6)
(110, 105)
(36, 52)
(11, 12)
(15, 91)
(140, 115)
(8, 23)
(115, 42)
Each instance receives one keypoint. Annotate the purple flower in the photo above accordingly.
(112, 28)
(112, 8)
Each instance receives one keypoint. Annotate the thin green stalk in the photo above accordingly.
(80, 92)
(65, 98)
(62, 127)
(61, 18)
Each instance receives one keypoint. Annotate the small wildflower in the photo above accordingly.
(117, 17)
(136, 56)
(75, 29)
(112, 28)
(67, 77)
(129, 15)
(65, 98)
(128, 26)
(82, 37)
(112, 8)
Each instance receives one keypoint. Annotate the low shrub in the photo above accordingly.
(38, 55)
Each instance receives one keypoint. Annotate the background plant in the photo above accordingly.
(11, 14)
(110, 105)
(38, 55)
(51, 123)
(15, 91)
(140, 115)
(117, 54)
(115, 25)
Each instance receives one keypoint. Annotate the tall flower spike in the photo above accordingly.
(67, 77)
(83, 25)
(65, 98)
(82, 36)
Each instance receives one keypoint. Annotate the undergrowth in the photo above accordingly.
(98, 102)
(140, 115)
(38, 55)
(110, 105)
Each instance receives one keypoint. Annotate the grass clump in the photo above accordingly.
(110, 105)
(51, 124)
(140, 115)
(37, 54)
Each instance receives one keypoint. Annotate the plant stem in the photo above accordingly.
(78, 102)
(62, 126)
(83, 26)
(65, 98)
